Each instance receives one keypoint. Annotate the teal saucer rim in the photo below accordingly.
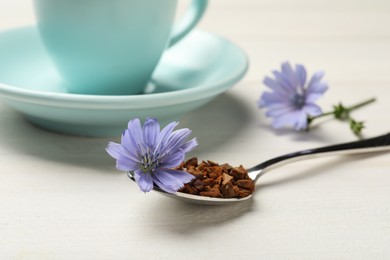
(125, 101)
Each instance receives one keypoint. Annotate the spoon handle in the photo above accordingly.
(375, 144)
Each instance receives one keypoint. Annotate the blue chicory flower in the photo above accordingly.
(292, 99)
(151, 154)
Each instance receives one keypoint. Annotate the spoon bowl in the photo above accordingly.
(375, 144)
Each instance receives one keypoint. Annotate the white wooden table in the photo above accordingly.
(62, 198)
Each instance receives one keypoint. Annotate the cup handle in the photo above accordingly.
(189, 21)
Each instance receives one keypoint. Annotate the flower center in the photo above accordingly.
(299, 100)
(149, 162)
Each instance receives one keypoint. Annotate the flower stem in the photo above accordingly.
(361, 104)
(344, 109)
(343, 113)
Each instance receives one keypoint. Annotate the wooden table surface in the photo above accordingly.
(62, 198)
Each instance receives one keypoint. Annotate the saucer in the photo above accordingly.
(189, 75)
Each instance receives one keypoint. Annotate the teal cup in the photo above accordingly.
(111, 47)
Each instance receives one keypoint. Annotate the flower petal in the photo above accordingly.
(312, 109)
(135, 128)
(289, 74)
(315, 79)
(301, 121)
(164, 134)
(301, 73)
(268, 98)
(125, 163)
(172, 160)
(151, 131)
(114, 149)
(144, 180)
(275, 86)
(128, 140)
(132, 139)
(189, 146)
(286, 84)
(171, 180)
(124, 160)
(177, 139)
(129, 146)
(287, 119)
(281, 121)
(318, 88)
(279, 111)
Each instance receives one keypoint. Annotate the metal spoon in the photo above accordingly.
(375, 144)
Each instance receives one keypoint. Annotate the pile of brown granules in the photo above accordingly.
(217, 181)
